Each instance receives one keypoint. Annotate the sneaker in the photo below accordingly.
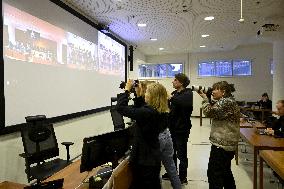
(165, 176)
(183, 181)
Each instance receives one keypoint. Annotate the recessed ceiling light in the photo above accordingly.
(209, 18)
(202, 46)
(205, 35)
(142, 25)
(153, 39)
(161, 48)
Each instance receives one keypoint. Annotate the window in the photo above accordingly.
(241, 67)
(206, 69)
(271, 66)
(160, 70)
(224, 68)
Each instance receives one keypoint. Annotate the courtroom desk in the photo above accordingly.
(256, 110)
(11, 185)
(72, 176)
(256, 124)
(275, 159)
(260, 142)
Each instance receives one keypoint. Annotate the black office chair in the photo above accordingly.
(241, 103)
(117, 119)
(250, 104)
(40, 145)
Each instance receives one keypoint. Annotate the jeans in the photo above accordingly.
(167, 151)
(180, 151)
(219, 169)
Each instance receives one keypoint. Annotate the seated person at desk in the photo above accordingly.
(264, 102)
(277, 126)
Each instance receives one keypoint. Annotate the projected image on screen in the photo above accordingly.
(29, 39)
(55, 63)
(111, 55)
(81, 54)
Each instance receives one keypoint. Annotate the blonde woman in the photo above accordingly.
(151, 119)
(165, 139)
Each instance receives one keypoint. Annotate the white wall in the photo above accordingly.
(247, 88)
(13, 167)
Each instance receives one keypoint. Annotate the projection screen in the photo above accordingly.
(54, 63)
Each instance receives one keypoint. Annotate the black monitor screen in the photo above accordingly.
(100, 149)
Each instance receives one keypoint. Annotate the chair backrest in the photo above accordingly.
(251, 103)
(39, 142)
(241, 103)
(117, 119)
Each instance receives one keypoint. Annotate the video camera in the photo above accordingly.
(206, 90)
(134, 84)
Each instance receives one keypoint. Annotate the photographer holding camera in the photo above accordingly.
(224, 135)
(165, 139)
(151, 120)
(181, 106)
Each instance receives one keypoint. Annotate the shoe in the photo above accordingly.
(183, 180)
(165, 176)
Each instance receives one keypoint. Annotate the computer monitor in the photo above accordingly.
(108, 147)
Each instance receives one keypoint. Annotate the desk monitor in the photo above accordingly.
(100, 149)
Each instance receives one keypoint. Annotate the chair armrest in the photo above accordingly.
(67, 145)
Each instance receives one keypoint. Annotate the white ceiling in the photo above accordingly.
(179, 24)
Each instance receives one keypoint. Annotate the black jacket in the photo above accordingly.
(265, 104)
(181, 106)
(278, 126)
(149, 123)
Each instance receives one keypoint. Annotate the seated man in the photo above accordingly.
(277, 126)
(263, 103)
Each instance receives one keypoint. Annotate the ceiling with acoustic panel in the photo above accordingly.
(178, 24)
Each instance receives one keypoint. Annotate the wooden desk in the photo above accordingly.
(72, 176)
(257, 124)
(260, 142)
(275, 159)
(256, 110)
(11, 185)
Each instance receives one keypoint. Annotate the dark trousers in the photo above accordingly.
(180, 152)
(145, 177)
(219, 169)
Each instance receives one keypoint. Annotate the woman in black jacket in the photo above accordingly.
(151, 119)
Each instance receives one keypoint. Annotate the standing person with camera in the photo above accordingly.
(165, 139)
(151, 119)
(181, 106)
(224, 135)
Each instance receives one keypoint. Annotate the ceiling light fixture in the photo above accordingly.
(153, 39)
(241, 19)
(161, 48)
(202, 46)
(141, 25)
(209, 18)
(205, 35)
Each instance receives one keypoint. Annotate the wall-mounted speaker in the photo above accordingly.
(130, 58)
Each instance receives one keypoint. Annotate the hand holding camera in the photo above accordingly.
(130, 85)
